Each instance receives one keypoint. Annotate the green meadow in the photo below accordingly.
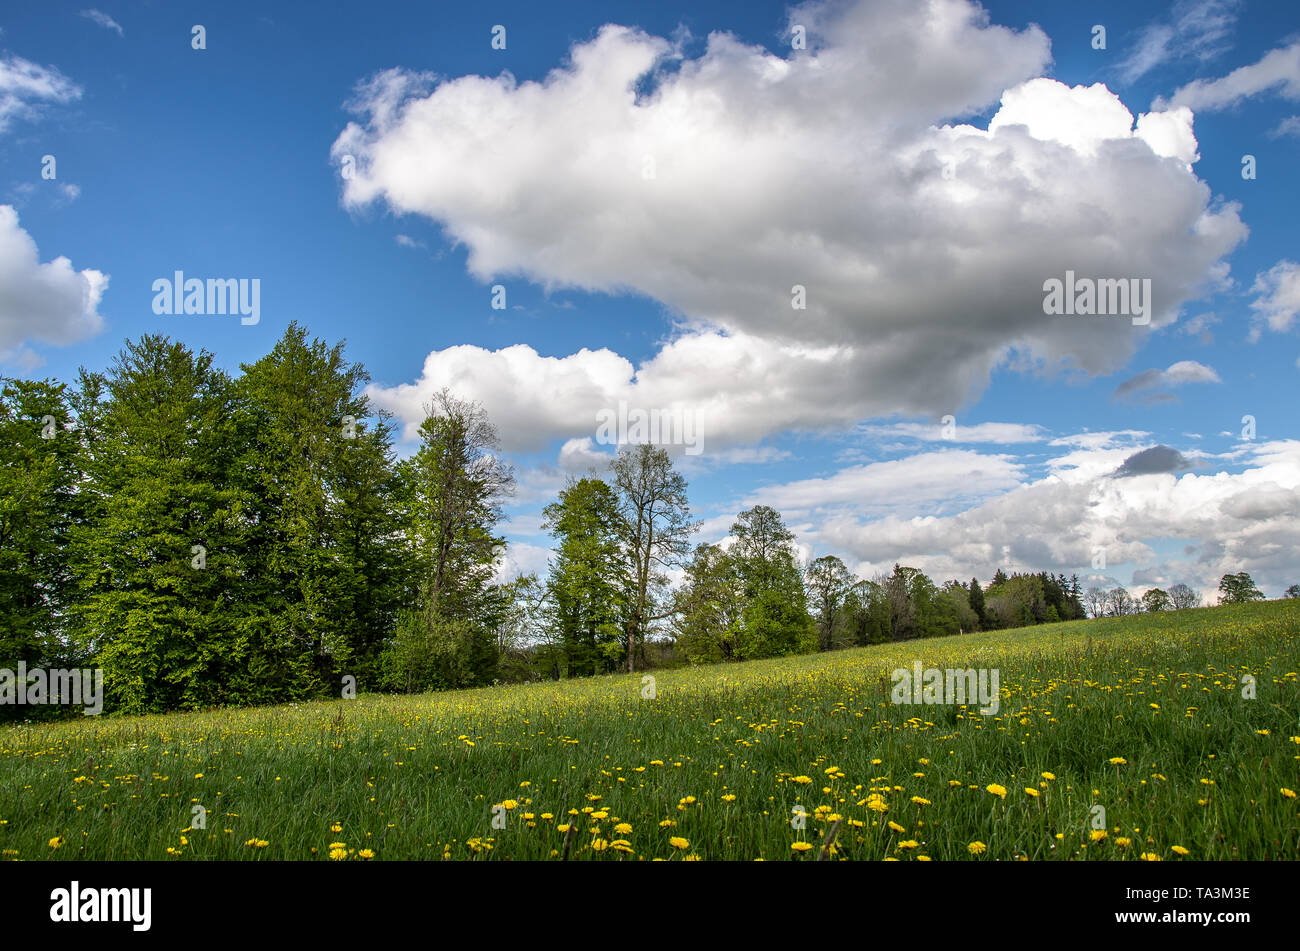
(1167, 736)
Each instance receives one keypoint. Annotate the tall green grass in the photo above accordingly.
(726, 754)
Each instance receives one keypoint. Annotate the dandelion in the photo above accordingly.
(1048, 776)
(56, 842)
(1180, 850)
(801, 780)
(896, 827)
(995, 789)
(677, 842)
(1096, 835)
(623, 828)
(1118, 761)
(1289, 793)
(1031, 791)
(920, 801)
(977, 848)
(801, 846)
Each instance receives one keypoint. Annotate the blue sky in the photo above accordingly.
(668, 285)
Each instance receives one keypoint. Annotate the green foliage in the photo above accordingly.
(1238, 589)
(590, 577)
(161, 555)
(710, 607)
(656, 526)
(1155, 599)
(39, 507)
(828, 583)
(449, 501)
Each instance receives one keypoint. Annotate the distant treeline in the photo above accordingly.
(212, 539)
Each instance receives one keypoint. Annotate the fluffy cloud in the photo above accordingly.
(922, 244)
(49, 302)
(25, 86)
(1279, 298)
(738, 388)
(1278, 71)
(1248, 520)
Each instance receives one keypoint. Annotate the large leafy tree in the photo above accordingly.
(776, 618)
(323, 572)
(828, 582)
(1238, 589)
(590, 577)
(868, 612)
(40, 503)
(450, 499)
(655, 520)
(710, 607)
(1156, 599)
(161, 557)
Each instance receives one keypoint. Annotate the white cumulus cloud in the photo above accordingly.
(46, 302)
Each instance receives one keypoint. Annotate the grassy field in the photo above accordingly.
(1143, 716)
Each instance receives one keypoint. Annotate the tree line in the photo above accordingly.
(208, 538)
